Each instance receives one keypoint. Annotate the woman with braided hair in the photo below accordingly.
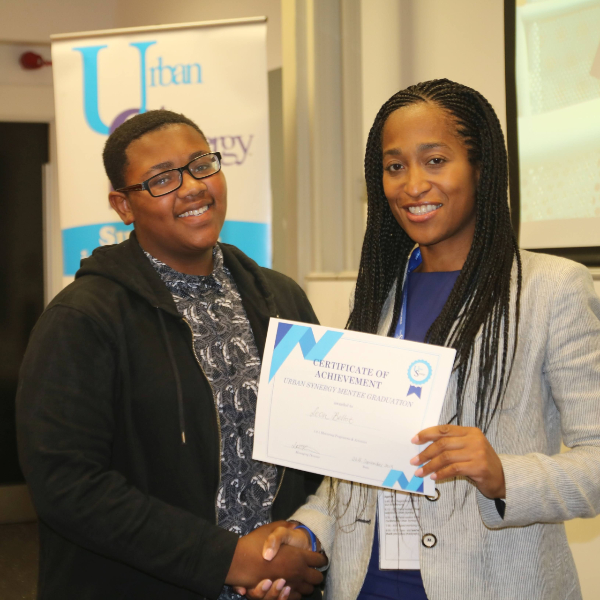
(440, 264)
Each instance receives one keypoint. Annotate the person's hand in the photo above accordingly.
(295, 565)
(460, 451)
(283, 534)
(287, 534)
(268, 590)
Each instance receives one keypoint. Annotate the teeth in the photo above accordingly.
(194, 213)
(423, 209)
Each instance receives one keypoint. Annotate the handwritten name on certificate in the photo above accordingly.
(347, 404)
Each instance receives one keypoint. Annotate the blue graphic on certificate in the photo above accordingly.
(347, 404)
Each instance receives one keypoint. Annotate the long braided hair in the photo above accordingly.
(480, 299)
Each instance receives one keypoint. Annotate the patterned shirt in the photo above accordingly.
(225, 346)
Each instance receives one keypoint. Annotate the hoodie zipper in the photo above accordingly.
(217, 415)
(278, 487)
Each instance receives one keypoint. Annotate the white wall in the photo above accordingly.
(36, 20)
(24, 95)
(383, 44)
(133, 13)
(408, 41)
(330, 297)
(462, 40)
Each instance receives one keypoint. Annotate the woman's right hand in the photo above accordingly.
(286, 534)
(277, 590)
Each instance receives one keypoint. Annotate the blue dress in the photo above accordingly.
(427, 294)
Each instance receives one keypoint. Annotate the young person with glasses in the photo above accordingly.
(439, 250)
(138, 390)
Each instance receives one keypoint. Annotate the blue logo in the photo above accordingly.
(160, 75)
(288, 336)
(393, 477)
(234, 149)
(419, 374)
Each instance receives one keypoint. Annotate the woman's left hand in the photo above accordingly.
(460, 451)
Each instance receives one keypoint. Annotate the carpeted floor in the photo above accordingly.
(18, 561)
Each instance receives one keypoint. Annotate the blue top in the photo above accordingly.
(427, 294)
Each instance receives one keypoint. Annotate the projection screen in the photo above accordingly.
(557, 76)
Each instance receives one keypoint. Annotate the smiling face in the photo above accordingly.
(182, 227)
(430, 184)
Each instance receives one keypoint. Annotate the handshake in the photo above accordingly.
(275, 562)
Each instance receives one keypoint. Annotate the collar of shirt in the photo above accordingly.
(185, 285)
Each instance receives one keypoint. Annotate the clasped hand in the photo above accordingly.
(279, 559)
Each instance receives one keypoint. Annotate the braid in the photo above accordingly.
(480, 299)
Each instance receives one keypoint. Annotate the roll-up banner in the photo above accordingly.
(215, 73)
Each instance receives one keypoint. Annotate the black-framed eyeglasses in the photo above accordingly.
(168, 181)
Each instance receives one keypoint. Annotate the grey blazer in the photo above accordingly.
(553, 395)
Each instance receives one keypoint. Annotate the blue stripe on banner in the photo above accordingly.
(252, 238)
(78, 242)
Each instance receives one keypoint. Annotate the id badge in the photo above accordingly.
(399, 533)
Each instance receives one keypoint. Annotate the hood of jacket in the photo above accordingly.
(127, 265)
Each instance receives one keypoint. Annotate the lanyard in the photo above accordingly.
(414, 261)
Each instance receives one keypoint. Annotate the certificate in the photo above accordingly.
(347, 404)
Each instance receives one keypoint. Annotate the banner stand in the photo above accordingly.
(214, 72)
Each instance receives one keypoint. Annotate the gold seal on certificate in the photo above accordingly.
(347, 404)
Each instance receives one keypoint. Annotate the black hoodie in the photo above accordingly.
(108, 385)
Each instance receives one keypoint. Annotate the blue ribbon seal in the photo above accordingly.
(419, 373)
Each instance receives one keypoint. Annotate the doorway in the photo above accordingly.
(24, 149)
